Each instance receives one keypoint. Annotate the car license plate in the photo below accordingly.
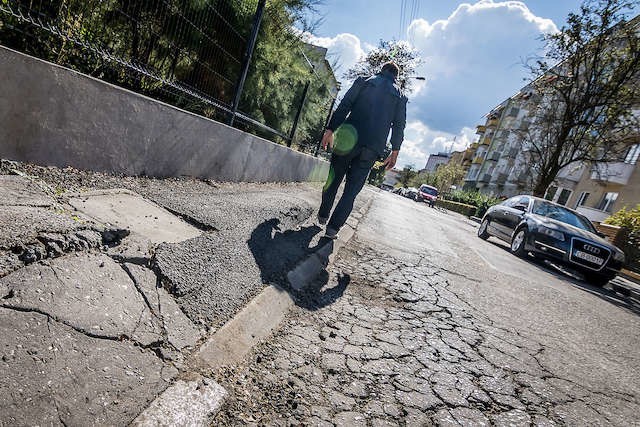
(588, 257)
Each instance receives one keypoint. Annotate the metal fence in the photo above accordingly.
(191, 54)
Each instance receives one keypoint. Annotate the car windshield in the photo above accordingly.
(429, 190)
(559, 213)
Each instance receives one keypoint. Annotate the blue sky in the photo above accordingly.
(473, 54)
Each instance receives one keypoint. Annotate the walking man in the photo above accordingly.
(361, 122)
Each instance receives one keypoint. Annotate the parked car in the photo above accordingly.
(410, 192)
(549, 230)
(428, 194)
(397, 190)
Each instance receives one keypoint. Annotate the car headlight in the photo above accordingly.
(551, 233)
(618, 256)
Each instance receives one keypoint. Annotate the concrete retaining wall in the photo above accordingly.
(51, 115)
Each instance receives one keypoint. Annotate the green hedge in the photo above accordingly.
(464, 209)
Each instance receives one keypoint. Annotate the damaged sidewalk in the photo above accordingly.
(109, 284)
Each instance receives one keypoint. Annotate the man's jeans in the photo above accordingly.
(355, 166)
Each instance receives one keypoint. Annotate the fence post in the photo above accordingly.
(298, 114)
(257, 19)
(326, 123)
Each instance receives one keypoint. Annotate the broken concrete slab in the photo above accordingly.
(29, 234)
(180, 331)
(21, 225)
(89, 292)
(20, 191)
(126, 209)
(51, 374)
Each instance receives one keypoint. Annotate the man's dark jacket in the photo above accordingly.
(375, 105)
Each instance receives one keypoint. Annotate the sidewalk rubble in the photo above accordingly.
(109, 283)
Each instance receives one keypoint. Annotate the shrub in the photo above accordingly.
(464, 209)
(630, 220)
(482, 202)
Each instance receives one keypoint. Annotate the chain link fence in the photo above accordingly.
(187, 53)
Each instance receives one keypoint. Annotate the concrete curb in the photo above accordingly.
(185, 403)
(233, 342)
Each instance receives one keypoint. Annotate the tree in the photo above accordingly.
(406, 175)
(443, 178)
(400, 52)
(583, 92)
(160, 47)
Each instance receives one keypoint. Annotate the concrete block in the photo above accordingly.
(185, 403)
(115, 130)
(131, 211)
(231, 343)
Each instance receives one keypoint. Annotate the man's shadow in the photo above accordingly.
(277, 252)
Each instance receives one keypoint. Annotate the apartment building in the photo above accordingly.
(603, 189)
(498, 167)
(436, 160)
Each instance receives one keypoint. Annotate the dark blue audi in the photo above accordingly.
(549, 230)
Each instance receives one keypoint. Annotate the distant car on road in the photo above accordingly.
(410, 192)
(553, 231)
(428, 194)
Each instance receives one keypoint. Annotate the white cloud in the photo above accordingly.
(420, 141)
(473, 60)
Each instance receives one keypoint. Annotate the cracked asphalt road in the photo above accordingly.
(436, 327)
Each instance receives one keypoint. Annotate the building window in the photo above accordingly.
(558, 194)
(607, 202)
(582, 199)
(632, 154)
(551, 192)
(564, 197)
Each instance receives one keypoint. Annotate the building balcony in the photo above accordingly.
(492, 123)
(614, 173)
(477, 160)
(468, 154)
(485, 141)
(571, 173)
(519, 178)
(474, 146)
(480, 129)
(594, 215)
(501, 178)
(512, 153)
(493, 156)
(485, 178)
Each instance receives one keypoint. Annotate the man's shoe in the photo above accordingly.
(322, 220)
(331, 233)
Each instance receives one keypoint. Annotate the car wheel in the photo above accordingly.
(596, 279)
(482, 230)
(518, 243)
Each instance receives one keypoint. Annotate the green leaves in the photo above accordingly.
(400, 52)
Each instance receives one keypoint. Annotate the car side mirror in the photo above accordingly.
(601, 234)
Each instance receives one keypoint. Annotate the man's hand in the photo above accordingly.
(327, 139)
(390, 161)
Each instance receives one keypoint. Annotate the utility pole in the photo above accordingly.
(257, 19)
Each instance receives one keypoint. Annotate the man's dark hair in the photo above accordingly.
(392, 68)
